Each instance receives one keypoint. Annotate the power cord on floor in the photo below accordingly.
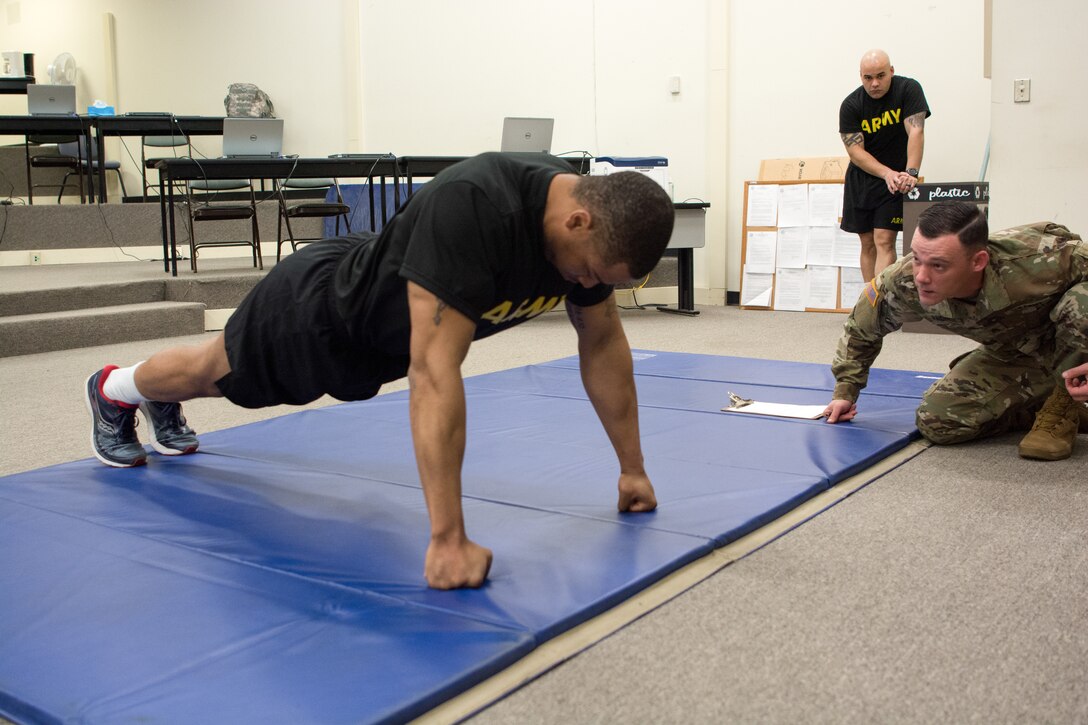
(3, 230)
(113, 238)
(10, 192)
(634, 296)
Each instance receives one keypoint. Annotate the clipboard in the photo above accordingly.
(737, 404)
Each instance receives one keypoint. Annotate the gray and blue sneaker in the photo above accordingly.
(170, 434)
(113, 434)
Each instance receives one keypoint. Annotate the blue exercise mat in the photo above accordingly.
(277, 574)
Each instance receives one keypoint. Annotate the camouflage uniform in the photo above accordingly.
(1031, 318)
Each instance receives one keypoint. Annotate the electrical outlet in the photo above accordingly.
(35, 257)
(1021, 90)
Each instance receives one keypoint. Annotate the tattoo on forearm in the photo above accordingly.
(918, 120)
(852, 139)
(438, 313)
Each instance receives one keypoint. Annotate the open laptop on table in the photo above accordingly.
(49, 100)
(527, 134)
(252, 138)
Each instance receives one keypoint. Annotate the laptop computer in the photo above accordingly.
(44, 99)
(527, 134)
(252, 138)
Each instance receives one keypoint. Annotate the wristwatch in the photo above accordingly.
(913, 172)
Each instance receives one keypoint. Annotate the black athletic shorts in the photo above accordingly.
(867, 204)
(287, 344)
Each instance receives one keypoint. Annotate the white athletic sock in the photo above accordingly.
(120, 386)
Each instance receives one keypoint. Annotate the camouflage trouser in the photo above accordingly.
(987, 393)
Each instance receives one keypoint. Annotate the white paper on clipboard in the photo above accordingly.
(780, 410)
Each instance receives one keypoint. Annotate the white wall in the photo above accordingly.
(1039, 150)
(444, 83)
(759, 78)
(443, 80)
(791, 63)
(181, 57)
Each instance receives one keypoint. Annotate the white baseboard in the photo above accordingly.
(86, 255)
(666, 296)
(217, 319)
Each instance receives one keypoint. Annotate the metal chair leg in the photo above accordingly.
(258, 259)
(121, 181)
(192, 233)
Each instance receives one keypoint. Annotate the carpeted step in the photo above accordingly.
(215, 292)
(58, 299)
(70, 329)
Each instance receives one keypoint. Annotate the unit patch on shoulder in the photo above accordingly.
(871, 292)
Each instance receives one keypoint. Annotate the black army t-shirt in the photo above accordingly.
(474, 237)
(880, 120)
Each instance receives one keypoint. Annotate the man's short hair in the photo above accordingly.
(635, 218)
(965, 220)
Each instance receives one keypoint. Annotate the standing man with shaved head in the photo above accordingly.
(882, 125)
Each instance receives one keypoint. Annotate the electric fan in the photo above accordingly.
(62, 71)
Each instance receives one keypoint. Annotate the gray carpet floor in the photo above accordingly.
(952, 589)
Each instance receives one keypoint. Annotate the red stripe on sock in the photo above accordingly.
(101, 391)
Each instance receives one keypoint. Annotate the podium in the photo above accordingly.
(924, 196)
(688, 234)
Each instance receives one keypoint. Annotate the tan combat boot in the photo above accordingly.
(1055, 429)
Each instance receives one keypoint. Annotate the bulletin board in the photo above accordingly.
(793, 253)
